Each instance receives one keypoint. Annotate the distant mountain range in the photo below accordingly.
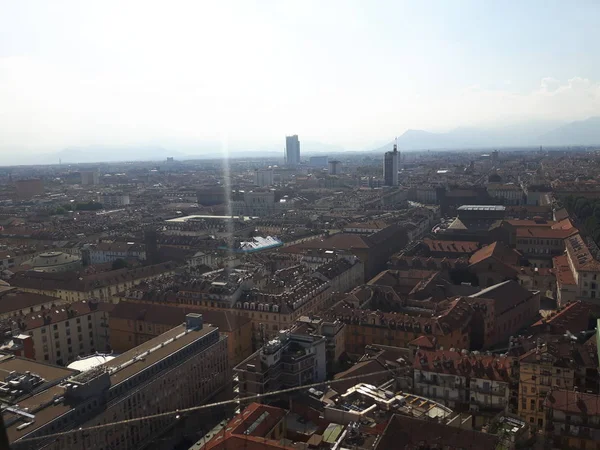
(584, 132)
(526, 134)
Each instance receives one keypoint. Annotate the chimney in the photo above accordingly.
(193, 321)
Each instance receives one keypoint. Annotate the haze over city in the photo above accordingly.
(194, 77)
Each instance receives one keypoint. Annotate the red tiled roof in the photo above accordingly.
(545, 233)
(424, 342)
(491, 367)
(574, 318)
(14, 300)
(578, 403)
(234, 434)
(580, 254)
(564, 276)
(407, 433)
(498, 251)
(436, 245)
(166, 314)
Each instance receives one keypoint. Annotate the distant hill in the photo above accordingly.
(548, 133)
(113, 154)
(583, 132)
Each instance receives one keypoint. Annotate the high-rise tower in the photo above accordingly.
(292, 150)
(390, 167)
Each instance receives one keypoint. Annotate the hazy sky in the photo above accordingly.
(352, 73)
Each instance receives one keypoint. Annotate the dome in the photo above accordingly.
(53, 262)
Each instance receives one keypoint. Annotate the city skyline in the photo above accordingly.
(361, 72)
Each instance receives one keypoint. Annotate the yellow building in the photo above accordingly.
(541, 369)
(133, 323)
(75, 286)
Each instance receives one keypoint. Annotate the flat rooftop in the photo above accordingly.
(174, 339)
(9, 363)
(482, 208)
(200, 217)
(45, 410)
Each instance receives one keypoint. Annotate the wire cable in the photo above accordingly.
(180, 412)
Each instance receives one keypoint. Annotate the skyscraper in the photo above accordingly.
(390, 167)
(292, 150)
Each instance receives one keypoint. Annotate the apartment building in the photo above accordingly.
(107, 252)
(293, 358)
(133, 323)
(333, 331)
(555, 363)
(76, 286)
(181, 368)
(584, 268)
(462, 379)
(448, 321)
(275, 302)
(14, 302)
(573, 419)
(509, 193)
(62, 333)
(503, 309)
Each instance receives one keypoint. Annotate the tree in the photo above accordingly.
(119, 263)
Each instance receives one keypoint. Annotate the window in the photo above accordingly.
(79, 329)
(70, 349)
(89, 317)
(46, 357)
(66, 323)
(43, 331)
(58, 353)
(78, 320)
(532, 404)
(55, 327)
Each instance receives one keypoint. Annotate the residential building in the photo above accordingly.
(29, 188)
(74, 286)
(293, 358)
(494, 264)
(53, 262)
(366, 322)
(334, 333)
(263, 177)
(584, 267)
(390, 167)
(132, 323)
(14, 302)
(64, 332)
(555, 363)
(509, 193)
(573, 419)
(501, 311)
(108, 252)
(461, 379)
(292, 150)
(406, 433)
(257, 426)
(90, 177)
(113, 199)
(181, 368)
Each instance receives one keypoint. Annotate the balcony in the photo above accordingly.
(497, 391)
